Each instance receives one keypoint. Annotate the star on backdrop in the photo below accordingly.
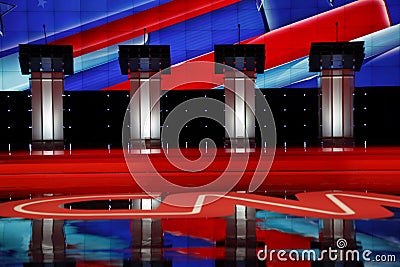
(42, 3)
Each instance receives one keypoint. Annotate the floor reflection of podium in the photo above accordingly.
(48, 244)
(147, 235)
(241, 240)
(340, 235)
(47, 65)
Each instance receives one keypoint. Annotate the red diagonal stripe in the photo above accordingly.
(355, 20)
(293, 41)
(132, 26)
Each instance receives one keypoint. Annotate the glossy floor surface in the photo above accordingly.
(235, 238)
(293, 170)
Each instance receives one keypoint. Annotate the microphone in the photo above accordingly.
(239, 32)
(45, 35)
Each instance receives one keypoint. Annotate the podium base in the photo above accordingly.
(48, 145)
(345, 142)
(145, 143)
(240, 143)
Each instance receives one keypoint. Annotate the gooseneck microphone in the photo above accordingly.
(45, 35)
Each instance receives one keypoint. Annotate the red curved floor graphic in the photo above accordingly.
(338, 205)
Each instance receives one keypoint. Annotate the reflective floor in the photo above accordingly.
(356, 227)
(238, 240)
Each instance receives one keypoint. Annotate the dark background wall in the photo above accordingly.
(94, 119)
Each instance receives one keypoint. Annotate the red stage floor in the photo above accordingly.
(293, 170)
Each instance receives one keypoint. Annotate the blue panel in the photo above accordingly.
(179, 260)
(196, 40)
(310, 83)
(108, 228)
(383, 70)
(175, 241)
(383, 229)
(224, 19)
(393, 7)
(284, 12)
(200, 23)
(98, 5)
(19, 24)
(67, 5)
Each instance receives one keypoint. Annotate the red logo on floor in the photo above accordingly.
(343, 205)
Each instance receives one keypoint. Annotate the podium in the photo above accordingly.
(239, 90)
(337, 63)
(47, 65)
(141, 63)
